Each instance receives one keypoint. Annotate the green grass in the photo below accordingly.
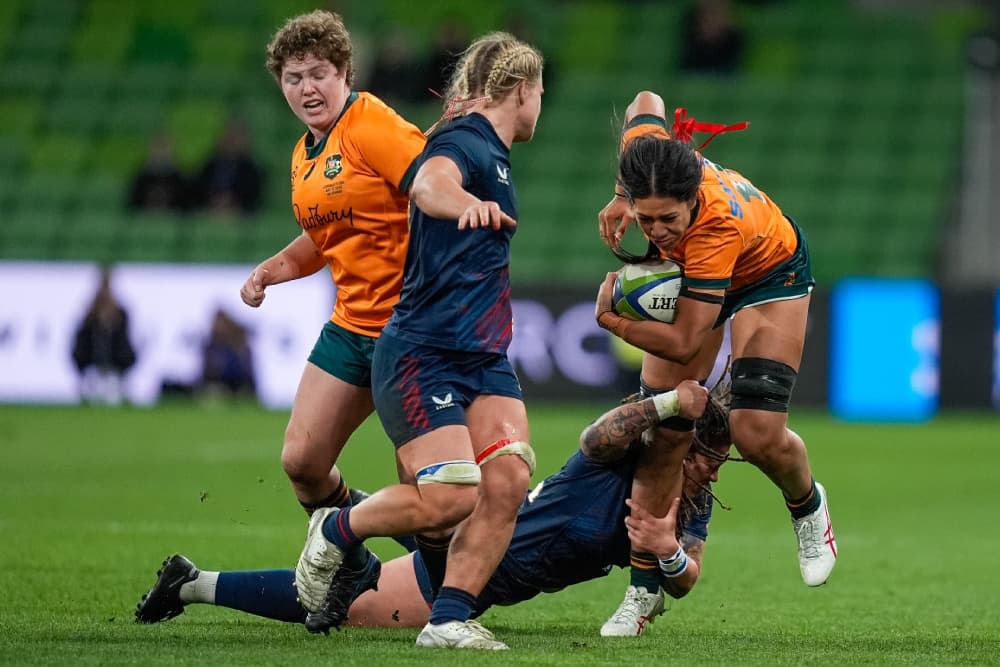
(92, 499)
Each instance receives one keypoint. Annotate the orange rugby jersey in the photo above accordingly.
(349, 195)
(739, 234)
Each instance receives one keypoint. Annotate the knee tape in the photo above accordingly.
(450, 472)
(673, 423)
(762, 384)
(505, 447)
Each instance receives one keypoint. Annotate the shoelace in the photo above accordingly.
(630, 609)
(478, 629)
(809, 541)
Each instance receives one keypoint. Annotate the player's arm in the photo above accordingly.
(678, 587)
(299, 258)
(615, 218)
(608, 438)
(680, 561)
(437, 191)
(697, 311)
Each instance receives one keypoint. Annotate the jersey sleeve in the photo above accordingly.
(459, 146)
(389, 145)
(710, 255)
(644, 124)
(697, 526)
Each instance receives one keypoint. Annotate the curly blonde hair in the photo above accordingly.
(321, 34)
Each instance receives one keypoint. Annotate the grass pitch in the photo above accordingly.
(91, 500)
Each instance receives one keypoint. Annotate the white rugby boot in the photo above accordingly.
(458, 634)
(817, 544)
(639, 608)
(318, 563)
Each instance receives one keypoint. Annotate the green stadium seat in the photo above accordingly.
(82, 114)
(19, 114)
(10, 12)
(226, 48)
(249, 16)
(111, 11)
(40, 188)
(37, 45)
(59, 153)
(210, 239)
(149, 237)
(156, 43)
(185, 14)
(27, 79)
(196, 124)
(92, 237)
(23, 237)
(136, 117)
(104, 44)
(13, 148)
(119, 153)
(585, 43)
(102, 190)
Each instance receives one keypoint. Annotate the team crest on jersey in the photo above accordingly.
(333, 166)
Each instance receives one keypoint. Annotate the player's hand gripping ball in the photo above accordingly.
(647, 291)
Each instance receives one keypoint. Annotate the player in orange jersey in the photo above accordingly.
(350, 175)
(743, 260)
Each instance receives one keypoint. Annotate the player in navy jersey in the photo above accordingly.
(444, 389)
(574, 526)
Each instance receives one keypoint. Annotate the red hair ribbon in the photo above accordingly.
(684, 127)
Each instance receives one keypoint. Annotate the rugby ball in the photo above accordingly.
(647, 291)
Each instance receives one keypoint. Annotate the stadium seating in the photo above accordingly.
(855, 122)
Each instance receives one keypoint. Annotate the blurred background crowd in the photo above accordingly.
(151, 131)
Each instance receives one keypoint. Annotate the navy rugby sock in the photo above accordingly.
(452, 604)
(434, 551)
(267, 593)
(337, 529)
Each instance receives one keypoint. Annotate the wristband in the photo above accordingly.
(615, 323)
(667, 404)
(675, 565)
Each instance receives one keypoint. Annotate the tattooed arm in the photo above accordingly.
(608, 438)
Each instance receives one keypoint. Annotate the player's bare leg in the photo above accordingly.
(657, 482)
(767, 350)
(498, 424)
(316, 434)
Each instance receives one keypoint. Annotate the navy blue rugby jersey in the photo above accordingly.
(571, 528)
(456, 284)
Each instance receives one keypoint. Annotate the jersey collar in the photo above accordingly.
(312, 150)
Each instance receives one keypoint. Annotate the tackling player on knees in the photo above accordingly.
(743, 260)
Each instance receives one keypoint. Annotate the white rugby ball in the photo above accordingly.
(647, 291)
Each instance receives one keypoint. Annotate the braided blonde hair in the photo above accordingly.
(489, 70)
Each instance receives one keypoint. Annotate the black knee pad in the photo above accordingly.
(762, 384)
(673, 423)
